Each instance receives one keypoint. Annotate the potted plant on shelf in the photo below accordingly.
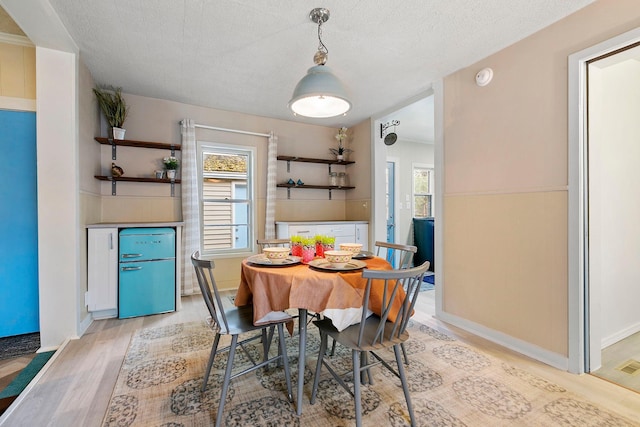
(341, 151)
(171, 165)
(114, 108)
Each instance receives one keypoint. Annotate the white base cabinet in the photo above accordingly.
(343, 231)
(102, 272)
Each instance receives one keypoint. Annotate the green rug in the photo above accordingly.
(26, 375)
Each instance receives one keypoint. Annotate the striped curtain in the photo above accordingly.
(190, 207)
(272, 168)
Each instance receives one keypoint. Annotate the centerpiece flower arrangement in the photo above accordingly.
(324, 243)
(171, 164)
(340, 152)
(296, 245)
(308, 249)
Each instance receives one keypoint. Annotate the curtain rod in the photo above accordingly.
(266, 135)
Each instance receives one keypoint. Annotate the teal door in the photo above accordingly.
(19, 309)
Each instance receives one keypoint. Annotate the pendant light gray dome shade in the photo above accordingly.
(319, 94)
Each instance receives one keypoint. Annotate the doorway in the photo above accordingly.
(604, 235)
(613, 235)
(412, 148)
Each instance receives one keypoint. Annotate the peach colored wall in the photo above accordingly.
(158, 120)
(18, 77)
(505, 189)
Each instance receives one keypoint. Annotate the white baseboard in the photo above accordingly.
(84, 325)
(620, 335)
(538, 353)
(104, 314)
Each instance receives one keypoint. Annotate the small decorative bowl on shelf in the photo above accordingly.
(276, 255)
(354, 248)
(338, 258)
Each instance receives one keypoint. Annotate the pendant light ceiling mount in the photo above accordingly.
(319, 94)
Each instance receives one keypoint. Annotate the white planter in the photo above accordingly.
(171, 173)
(118, 133)
(340, 157)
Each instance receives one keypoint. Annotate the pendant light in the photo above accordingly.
(320, 94)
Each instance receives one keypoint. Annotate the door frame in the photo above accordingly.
(394, 193)
(584, 340)
(377, 229)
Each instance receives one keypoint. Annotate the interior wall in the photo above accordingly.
(408, 153)
(158, 120)
(89, 197)
(58, 196)
(505, 154)
(18, 76)
(614, 209)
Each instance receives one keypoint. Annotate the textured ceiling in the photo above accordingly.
(247, 55)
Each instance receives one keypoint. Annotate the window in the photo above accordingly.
(226, 199)
(422, 191)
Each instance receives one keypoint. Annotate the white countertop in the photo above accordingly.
(321, 222)
(135, 224)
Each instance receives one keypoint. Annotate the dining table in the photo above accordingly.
(314, 287)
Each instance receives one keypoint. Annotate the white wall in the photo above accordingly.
(58, 188)
(407, 153)
(614, 206)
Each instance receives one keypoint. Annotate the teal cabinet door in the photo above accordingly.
(19, 308)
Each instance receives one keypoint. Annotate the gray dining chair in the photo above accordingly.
(269, 243)
(235, 321)
(374, 333)
(393, 252)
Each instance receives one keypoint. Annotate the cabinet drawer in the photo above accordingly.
(337, 230)
(303, 230)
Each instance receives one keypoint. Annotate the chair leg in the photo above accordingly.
(285, 360)
(316, 378)
(212, 356)
(405, 387)
(355, 356)
(227, 378)
(333, 348)
(366, 374)
(404, 353)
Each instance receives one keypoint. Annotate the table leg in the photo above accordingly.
(302, 346)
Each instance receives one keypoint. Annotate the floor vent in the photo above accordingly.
(631, 367)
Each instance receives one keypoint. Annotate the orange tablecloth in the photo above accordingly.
(272, 289)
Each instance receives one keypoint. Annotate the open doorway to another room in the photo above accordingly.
(404, 146)
(604, 235)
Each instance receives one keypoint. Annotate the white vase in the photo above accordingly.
(171, 173)
(340, 157)
(118, 133)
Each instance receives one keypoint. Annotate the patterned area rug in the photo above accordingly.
(451, 384)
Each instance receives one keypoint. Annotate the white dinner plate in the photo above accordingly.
(323, 264)
(263, 261)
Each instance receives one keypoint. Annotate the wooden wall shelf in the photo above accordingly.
(114, 180)
(139, 144)
(310, 160)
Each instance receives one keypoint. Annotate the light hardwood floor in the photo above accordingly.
(77, 387)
